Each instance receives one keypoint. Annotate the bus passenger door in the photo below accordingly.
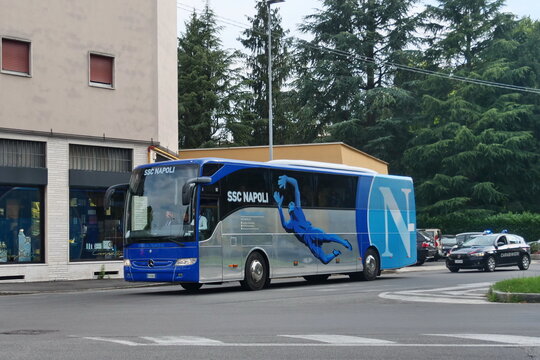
(210, 246)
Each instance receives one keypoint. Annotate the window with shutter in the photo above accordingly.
(15, 56)
(101, 70)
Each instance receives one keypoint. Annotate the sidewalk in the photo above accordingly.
(19, 288)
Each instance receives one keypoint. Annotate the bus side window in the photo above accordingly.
(305, 187)
(208, 217)
(336, 191)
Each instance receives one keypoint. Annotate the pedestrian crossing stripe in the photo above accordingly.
(506, 339)
(327, 340)
(181, 340)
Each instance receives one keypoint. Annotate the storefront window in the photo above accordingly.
(95, 233)
(21, 224)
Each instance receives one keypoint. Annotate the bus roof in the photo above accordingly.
(301, 165)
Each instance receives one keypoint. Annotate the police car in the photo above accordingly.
(488, 251)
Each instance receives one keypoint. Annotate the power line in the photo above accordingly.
(366, 59)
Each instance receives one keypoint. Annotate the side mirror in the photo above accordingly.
(110, 192)
(189, 186)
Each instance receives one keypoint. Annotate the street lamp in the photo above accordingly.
(270, 126)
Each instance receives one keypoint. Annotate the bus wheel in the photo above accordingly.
(316, 278)
(255, 273)
(371, 266)
(191, 286)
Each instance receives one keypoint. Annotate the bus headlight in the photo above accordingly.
(185, 261)
(127, 262)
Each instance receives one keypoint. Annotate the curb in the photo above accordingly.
(414, 268)
(507, 297)
(58, 291)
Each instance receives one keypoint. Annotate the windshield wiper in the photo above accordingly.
(170, 238)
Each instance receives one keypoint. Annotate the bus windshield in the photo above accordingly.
(155, 212)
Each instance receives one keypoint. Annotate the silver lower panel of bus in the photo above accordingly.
(223, 256)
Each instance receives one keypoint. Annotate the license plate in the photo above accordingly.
(459, 261)
(150, 276)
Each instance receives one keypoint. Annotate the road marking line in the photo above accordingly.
(116, 341)
(340, 339)
(182, 340)
(431, 345)
(445, 300)
(458, 287)
(506, 339)
(461, 294)
(520, 341)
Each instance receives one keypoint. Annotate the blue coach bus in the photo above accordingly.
(208, 221)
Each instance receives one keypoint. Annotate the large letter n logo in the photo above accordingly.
(391, 208)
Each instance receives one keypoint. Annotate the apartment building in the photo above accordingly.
(88, 90)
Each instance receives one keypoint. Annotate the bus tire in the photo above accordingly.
(191, 287)
(255, 272)
(371, 266)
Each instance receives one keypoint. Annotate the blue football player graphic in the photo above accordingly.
(311, 236)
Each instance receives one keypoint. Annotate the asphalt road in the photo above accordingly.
(422, 313)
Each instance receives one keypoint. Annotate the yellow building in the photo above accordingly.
(336, 152)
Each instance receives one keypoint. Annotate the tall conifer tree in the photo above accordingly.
(474, 140)
(206, 83)
(254, 117)
(345, 83)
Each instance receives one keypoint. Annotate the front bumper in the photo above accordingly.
(465, 262)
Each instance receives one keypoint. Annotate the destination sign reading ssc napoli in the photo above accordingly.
(247, 197)
(159, 170)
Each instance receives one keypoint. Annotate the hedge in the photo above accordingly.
(524, 224)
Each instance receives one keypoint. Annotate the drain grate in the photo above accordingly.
(27, 332)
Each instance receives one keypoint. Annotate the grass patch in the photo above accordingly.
(521, 285)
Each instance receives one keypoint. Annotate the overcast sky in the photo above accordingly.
(232, 14)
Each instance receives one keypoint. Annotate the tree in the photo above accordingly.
(345, 85)
(462, 29)
(206, 83)
(253, 121)
(476, 147)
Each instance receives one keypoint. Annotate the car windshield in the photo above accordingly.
(426, 235)
(464, 237)
(155, 211)
(480, 240)
(449, 241)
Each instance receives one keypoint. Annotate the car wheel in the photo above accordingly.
(316, 278)
(489, 266)
(420, 262)
(191, 287)
(256, 273)
(524, 262)
(453, 269)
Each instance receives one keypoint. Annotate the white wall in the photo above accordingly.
(140, 34)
